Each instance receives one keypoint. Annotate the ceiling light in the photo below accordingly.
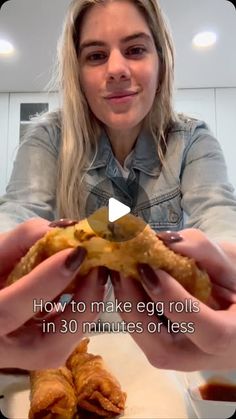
(204, 39)
(6, 47)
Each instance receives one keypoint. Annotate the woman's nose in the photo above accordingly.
(117, 67)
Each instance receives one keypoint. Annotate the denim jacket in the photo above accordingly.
(191, 189)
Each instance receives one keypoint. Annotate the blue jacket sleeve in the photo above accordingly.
(207, 196)
(31, 191)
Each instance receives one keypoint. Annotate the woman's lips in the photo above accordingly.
(121, 99)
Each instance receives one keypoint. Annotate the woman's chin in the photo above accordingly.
(123, 125)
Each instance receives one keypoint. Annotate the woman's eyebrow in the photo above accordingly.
(97, 43)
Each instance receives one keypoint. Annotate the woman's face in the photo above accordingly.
(119, 64)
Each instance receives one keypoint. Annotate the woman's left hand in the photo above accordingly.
(192, 336)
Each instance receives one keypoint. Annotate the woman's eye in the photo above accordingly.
(96, 57)
(136, 51)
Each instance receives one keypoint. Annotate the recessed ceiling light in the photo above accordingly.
(204, 39)
(6, 47)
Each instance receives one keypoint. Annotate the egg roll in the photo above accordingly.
(119, 246)
(53, 394)
(98, 391)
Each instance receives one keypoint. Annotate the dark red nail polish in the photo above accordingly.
(115, 279)
(63, 223)
(75, 258)
(103, 273)
(169, 237)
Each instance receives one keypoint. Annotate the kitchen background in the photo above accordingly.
(205, 76)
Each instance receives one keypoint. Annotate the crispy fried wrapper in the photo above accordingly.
(98, 391)
(119, 246)
(53, 394)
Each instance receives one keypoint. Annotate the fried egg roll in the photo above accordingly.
(53, 394)
(119, 246)
(98, 391)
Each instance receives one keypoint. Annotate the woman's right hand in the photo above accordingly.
(23, 343)
(202, 337)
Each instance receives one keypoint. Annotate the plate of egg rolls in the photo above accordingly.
(106, 376)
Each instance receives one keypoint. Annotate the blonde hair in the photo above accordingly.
(80, 127)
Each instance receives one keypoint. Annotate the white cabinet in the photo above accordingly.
(4, 102)
(21, 107)
(198, 103)
(226, 127)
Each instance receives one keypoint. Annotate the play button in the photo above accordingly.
(116, 210)
(120, 198)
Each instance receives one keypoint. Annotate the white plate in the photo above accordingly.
(151, 393)
(210, 409)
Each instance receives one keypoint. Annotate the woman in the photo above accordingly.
(117, 128)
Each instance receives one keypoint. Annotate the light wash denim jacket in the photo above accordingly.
(190, 190)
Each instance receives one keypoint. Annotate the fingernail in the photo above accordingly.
(63, 223)
(103, 273)
(115, 279)
(42, 315)
(149, 278)
(169, 237)
(75, 258)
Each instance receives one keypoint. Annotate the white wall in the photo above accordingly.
(215, 106)
(198, 103)
(4, 98)
(226, 127)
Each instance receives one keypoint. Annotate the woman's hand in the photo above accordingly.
(207, 337)
(219, 260)
(23, 342)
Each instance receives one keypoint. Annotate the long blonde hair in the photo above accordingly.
(80, 127)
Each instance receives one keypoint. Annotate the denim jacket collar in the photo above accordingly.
(145, 156)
